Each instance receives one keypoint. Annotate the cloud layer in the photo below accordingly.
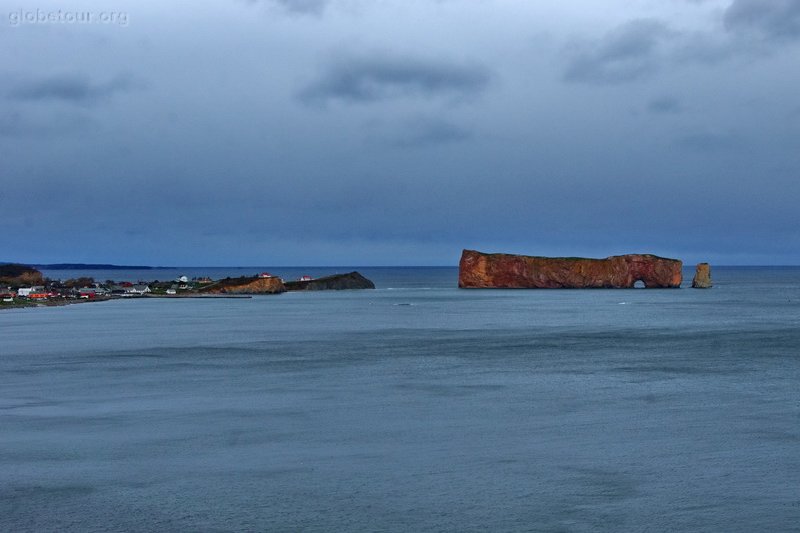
(347, 131)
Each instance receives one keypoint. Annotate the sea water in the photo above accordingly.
(414, 407)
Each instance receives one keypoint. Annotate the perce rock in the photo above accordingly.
(505, 271)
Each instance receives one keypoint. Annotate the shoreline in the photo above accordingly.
(24, 304)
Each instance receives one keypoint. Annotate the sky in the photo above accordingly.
(398, 132)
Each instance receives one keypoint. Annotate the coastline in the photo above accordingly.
(24, 304)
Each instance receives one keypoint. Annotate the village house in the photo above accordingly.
(129, 289)
(29, 292)
(138, 289)
(91, 293)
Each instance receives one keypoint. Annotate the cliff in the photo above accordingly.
(352, 280)
(19, 275)
(483, 271)
(702, 276)
(245, 285)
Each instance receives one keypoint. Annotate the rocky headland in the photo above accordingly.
(275, 285)
(336, 282)
(16, 275)
(506, 271)
(245, 285)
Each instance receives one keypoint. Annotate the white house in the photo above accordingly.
(137, 289)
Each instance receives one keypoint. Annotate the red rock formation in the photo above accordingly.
(247, 285)
(504, 271)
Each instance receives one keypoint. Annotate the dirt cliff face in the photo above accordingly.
(702, 277)
(251, 285)
(20, 275)
(504, 271)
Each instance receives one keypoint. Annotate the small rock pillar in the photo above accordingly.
(702, 277)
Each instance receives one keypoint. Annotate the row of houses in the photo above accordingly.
(98, 291)
(111, 289)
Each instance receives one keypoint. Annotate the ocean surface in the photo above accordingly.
(414, 407)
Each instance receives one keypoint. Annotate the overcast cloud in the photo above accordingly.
(278, 132)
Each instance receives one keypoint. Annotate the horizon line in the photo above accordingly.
(170, 267)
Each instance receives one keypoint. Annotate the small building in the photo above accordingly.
(305, 278)
(25, 292)
(205, 280)
(171, 291)
(182, 279)
(91, 293)
(138, 289)
(265, 275)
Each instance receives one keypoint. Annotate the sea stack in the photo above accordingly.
(702, 277)
(505, 271)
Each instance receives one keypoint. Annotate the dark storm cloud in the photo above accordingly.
(627, 53)
(297, 7)
(303, 6)
(424, 132)
(379, 77)
(664, 105)
(771, 19)
(71, 88)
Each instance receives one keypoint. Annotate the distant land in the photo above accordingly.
(91, 266)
